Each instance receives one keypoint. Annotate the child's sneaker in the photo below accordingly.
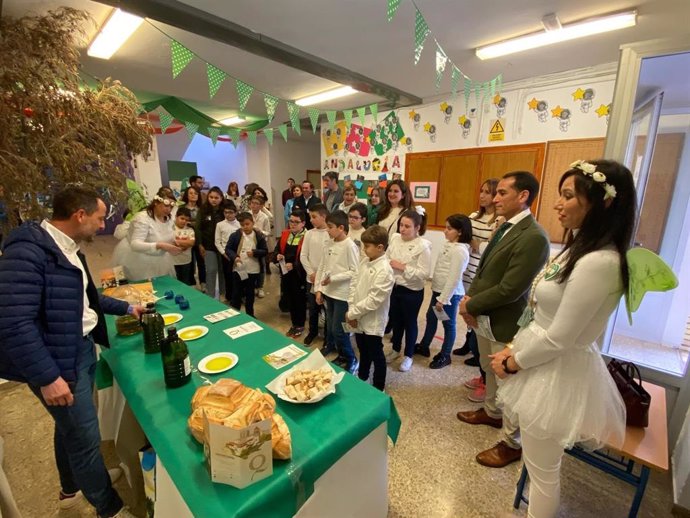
(406, 364)
(478, 394)
(297, 332)
(474, 383)
(392, 355)
(261, 293)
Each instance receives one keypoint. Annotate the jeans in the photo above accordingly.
(244, 288)
(335, 334)
(77, 439)
(185, 273)
(448, 325)
(371, 351)
(214, 274)
(405, 306)
(228, 276)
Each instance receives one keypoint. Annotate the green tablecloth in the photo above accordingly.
(321, 433)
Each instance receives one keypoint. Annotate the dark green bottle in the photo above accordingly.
(177, 367)
(154, 326)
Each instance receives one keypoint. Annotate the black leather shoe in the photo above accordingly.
(310, 338)
(422, 351)
(462, 351)
(472, 362)
(352, 366)
(439, 361)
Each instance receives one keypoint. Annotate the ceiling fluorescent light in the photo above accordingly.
(326, 96)
(232, 120)
(115, 31)
(567, 32)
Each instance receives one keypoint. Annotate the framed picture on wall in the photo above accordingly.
(424, 192)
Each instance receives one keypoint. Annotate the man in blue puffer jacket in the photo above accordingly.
(50, 316)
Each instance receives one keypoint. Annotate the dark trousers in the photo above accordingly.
(293, 293)
(471, 339)
(448, 325)
(405, 306)
(227, 276)
(185, 273)
(77, 439)
(314, 310)
(200, 263)
(335, 334)
(371, 351)
(244, 289)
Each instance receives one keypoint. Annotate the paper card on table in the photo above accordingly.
(484, 327)
(243, 330)
(283, 266)
(285, 356)
(221, 315)
(441, 315)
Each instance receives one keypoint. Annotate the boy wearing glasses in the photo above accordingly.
(357, 217)
(293, 278)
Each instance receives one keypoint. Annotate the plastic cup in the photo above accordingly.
(179, 298)
(169, 294)
(184, 304)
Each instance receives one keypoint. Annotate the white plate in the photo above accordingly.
(171, 318)
(192, 332)
(218, 362)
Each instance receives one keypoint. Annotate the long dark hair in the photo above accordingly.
(608, 222)
(463, 225)
(493, 185)
(185, 195)
(405, 202)
(419, 220)
(207, 208)
(237, 189)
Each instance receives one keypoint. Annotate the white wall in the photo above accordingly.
(147, 173)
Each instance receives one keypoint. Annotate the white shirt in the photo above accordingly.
(339, 262)
(186, 256)
(370, 295)
(516, 219)
(145, 232)
(481, 231)
(450, 265)
(343, 207)
(247, 243)
(315, 242)
(224, 230)
(390, 222)
(416, 254)
(69, 248)
(262, 223)
(356, 236)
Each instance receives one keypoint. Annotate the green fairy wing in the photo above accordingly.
(137, 198)
(648, 272)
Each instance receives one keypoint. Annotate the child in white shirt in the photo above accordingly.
(349, 199)
(368, 303)
(315, 242)
(184, 238)
(357, 217)
(338, 265)
(224, 229)
(447, 288)
(262, 224)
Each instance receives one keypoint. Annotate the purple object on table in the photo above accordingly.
(169, 294)
(184, 304)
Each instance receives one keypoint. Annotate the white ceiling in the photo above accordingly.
(355, 34)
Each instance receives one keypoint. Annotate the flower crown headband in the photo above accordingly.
(598, 177)
(165, 201)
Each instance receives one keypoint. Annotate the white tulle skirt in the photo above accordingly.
(571, 399)
(141, 266)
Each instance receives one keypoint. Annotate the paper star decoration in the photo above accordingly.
(461, 120)
(427, 126)
(602, 111)
(556, 112)
(444, 105)
(578, 94)
(497, 98)
(412, 114)
(533, 103)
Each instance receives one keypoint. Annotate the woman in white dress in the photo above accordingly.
(150, 244)
(397, 200)
(555, 383)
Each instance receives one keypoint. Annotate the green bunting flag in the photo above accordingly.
(191, 128)
(467, 90)
(234, 134)
(441, 61)
(374, 110)
(181, 56)
(330, 115)
(293, 112)
(165, 119)
(314, 118)
(251, 137)
(213, 133)
(477, 94)
(269, 135)
(271, 103)
(215, 78)
(454, 81)
(362, 113)
(499, 82)
(492, 86)
(485, 89)
(348, 118)
(421, 31)
(244, 92)
(392, 7)
(283, 131)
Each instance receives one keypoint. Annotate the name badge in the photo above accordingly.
(552, 271)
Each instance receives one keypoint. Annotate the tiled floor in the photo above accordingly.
(432, 472)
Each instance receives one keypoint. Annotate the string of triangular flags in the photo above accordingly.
(443, 62)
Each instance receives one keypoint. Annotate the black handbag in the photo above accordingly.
(635, 397)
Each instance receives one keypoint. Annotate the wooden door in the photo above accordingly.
(460, 177)
(425, 169)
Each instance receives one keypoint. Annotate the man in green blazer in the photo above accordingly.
(498, 295)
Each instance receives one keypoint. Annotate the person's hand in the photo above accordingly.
(470, 320)
(397, 265)
(57, 393)
(352, 323)
(312, 278)
(137, 311)
(238, 260)
(289, 267)
(280, 257)
(250, 253)
(319, 298)
(184, 243)
(497, 362)
(170, 248)
(439, 306)
(474, 244)
(202, 251)
(326, 281)
(463, 305)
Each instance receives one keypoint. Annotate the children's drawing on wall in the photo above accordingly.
(397, 176)
(357, 141)
(500, 103)
(466, 125)
(431, 130)
(604, 110)
(585, 97)
(541, 107)
(447, 110)
(334, 138)
(407, 141)
(563, 115)
(416, 119)
(386, 135)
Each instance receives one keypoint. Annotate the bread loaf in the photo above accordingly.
(280, 438)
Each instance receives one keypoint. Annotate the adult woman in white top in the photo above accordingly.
(556, 384)
(150, 243)
(397, 199)
(410, 258)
